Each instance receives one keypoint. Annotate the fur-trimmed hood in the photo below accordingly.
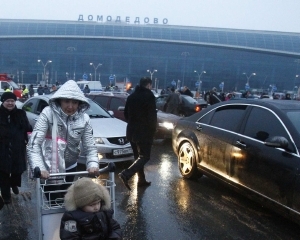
(85, 191)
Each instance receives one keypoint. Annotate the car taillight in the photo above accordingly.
(197, 108)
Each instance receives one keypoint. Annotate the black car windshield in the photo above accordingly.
(96, 111)
(294, 116)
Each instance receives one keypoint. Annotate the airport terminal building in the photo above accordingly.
(127, 51)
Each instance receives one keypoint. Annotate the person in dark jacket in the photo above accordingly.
(31, 90)
(213, 97)
(89, 214)
(46, 90)
(187, 91)
(14, 126)
(141, 117)
(40, 90)
(86, 89)
(173, 101)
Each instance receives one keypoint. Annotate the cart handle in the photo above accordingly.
(111, 167)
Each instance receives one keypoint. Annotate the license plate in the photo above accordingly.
(123, 151)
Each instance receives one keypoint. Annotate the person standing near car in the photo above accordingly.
(40, 90)
(186, 91)
(173, 101)
(67, 109)
(31, 90)
(140, 114)
(14, 126)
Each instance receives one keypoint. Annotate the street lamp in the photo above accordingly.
(248, 77)
(44, 65)
(200, 83)
(151, 73)
(22, 72)
(99, 64)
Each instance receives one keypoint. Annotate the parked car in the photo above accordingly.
(109, 132)
(116, 103)
(248, 144)
(188, 106)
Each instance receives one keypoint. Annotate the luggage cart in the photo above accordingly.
(50, 210)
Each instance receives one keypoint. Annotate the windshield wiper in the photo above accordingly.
(98, 116)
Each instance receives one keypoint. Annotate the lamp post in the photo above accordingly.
(151, 73)
(200, 83)
(44, 65)
(248, 77)
(22, 72)
(99, 64)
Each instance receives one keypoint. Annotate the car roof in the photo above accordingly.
(270, 103)
(110, 94)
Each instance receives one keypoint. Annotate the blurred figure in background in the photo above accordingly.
(40, 90)
(31, 90)
(173, 102)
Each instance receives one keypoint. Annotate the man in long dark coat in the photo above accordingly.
(140, 114)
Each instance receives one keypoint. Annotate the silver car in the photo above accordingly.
(109, 132)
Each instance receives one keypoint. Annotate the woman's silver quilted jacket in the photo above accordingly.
(72, 129)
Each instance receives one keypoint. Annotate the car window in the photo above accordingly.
(96, 110)
(228, 117)
(29, 105)
(206, 118)
(294, 117)
(115, 103)
(188, 99)
(102, 100)
(42, 104)
(262, 124)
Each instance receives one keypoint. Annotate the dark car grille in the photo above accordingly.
(118, 140)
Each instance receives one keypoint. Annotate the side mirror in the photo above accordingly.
(111, 112)
(277, 142)
(121, 108)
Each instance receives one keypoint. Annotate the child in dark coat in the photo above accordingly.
(89, 213)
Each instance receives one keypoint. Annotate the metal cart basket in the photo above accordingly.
(50, 203)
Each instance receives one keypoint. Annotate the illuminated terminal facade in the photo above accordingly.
(171, 54)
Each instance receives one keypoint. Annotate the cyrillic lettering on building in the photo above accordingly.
(80, 18)
(137, 20)
(118, 19)
(99, 18)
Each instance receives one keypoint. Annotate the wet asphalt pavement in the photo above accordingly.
(171, 208)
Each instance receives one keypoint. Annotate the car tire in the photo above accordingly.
(187, 161)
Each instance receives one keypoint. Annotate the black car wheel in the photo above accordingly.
(187, 161)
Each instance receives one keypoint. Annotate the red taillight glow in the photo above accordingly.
(197, 108)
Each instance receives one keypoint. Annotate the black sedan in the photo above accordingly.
(252, 145)
(187, 107)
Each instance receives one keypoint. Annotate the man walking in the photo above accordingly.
(140, 114)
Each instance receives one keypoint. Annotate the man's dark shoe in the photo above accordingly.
(15, 190)
(124, 180)
(144, 184)
(1, 203)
